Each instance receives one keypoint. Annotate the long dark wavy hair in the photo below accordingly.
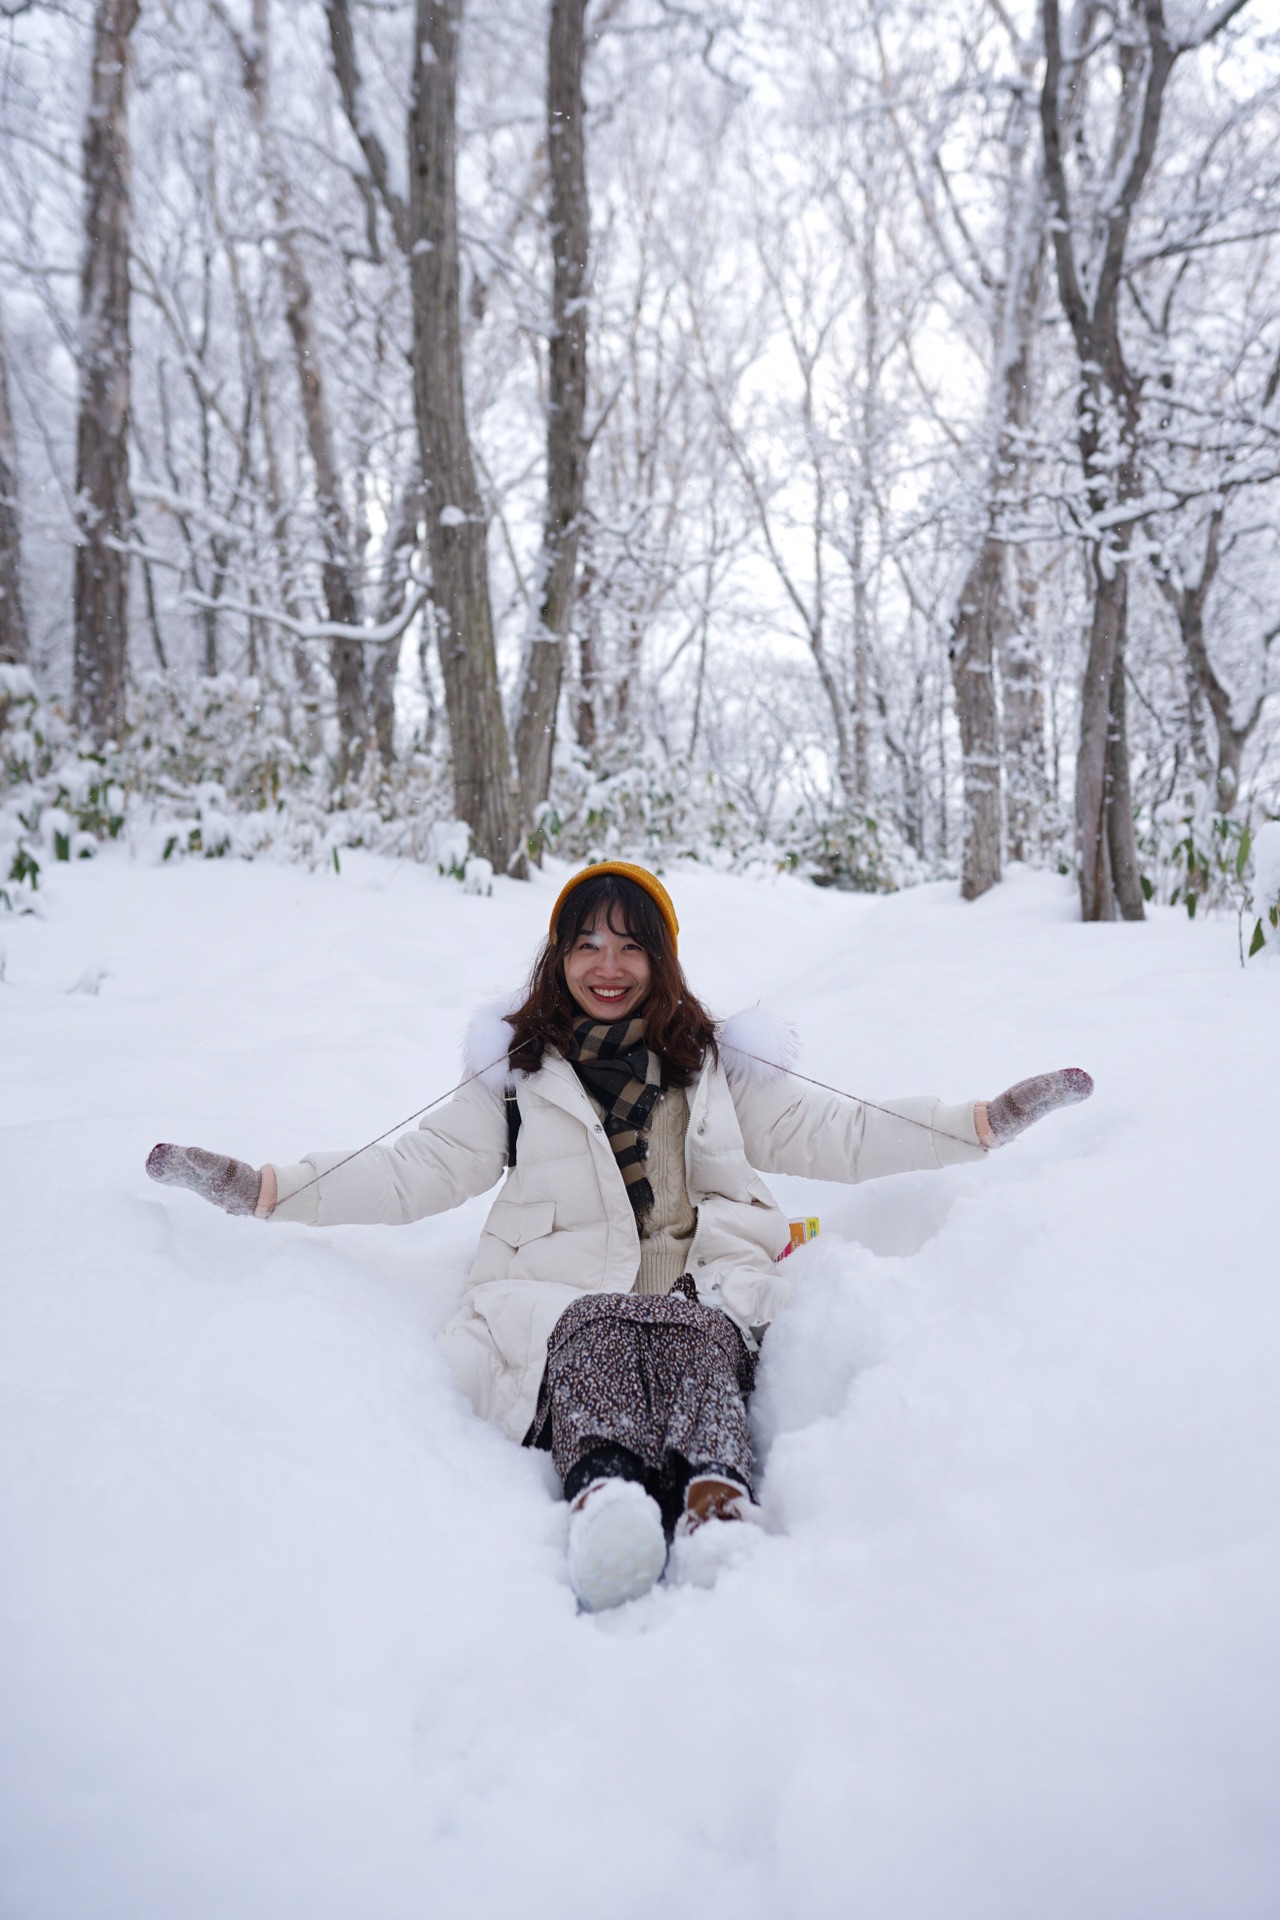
(677, 1026)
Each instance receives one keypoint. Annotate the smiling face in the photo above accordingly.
(607, 971)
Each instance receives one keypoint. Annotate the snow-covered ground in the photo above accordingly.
(286, 1631)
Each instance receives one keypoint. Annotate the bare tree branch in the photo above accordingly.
(355, 103)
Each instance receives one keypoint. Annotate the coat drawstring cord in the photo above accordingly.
(407, 1121)
(791, 1072)
(908, 1118)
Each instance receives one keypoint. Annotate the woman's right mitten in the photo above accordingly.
(232, 1185)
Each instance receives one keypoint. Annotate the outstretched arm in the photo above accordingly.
(456, 1152)
(790, 1128)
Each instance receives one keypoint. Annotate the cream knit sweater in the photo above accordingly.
(664, 1250)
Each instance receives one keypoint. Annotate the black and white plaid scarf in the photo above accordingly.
(624, 1077)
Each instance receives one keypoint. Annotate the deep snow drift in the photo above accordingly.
(286, 1631)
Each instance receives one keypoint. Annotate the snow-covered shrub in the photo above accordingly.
(222, 730)
(209, 768)
(1212, 867)
(655, 809)
(1266, 890)
(848, 850)
(652, 808)
(477, 875)
(56, 801)
(206, 769)
(215, 772)
(1195, 856)
(1205, 860)
(448, 845)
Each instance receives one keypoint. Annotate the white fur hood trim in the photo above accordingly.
(484, 1047)
(754, 1044)
(757, 1045)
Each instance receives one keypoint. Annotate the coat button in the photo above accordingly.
(702, 1263)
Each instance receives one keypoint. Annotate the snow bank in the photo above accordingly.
(286, 1631)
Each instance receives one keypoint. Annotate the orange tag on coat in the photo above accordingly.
(801, 1230)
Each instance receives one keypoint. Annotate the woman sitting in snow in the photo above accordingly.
(630, 1262)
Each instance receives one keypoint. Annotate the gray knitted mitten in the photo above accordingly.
(1018, 1108)
(232, 1185)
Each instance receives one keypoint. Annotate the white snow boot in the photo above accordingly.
(717, 1530)
(617, 1547)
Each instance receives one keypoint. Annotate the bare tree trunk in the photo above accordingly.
(1094, 762)
(338, 569)
(586, 719)
(338, 572)
(201, 396)
(861, 674)
(1231, 746)
(1021, 689)
(395, 575)
(153, 617)
(304, 671)
(1188, 604)
(105, 508)
(979, 621)
(846, 769)
(426, 231)
(985, 625)
(14, 645)
(980, 626)
(1108, 433)
(1106, 847)
(484, 790)
(567, 398)
(1122, 847)
(342, 45)
(866, 414)
(986, 630)
(1023, 714)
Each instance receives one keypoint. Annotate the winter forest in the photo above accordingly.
(826, 454)
(845, 437)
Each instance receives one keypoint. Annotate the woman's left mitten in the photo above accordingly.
(1019, 1107)
(232, 1185)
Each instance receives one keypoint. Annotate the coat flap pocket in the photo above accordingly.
(517, 1221)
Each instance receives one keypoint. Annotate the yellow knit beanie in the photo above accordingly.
(640, 876)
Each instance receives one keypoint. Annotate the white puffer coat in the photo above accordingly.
(562, 1224)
